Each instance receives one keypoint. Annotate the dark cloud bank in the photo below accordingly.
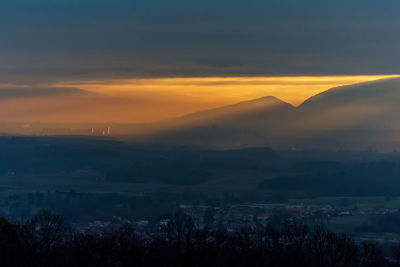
(56, 40)
(28, 92)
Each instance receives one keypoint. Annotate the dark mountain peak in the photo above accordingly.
(384, 89)
(265, 100)
(249, 107)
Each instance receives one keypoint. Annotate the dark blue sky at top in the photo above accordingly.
(51, 40)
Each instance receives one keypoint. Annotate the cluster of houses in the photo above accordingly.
(250, 215)
(236, 217)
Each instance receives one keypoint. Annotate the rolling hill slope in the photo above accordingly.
(361, 116)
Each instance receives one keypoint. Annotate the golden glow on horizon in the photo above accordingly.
(157, 99)
(224, 90)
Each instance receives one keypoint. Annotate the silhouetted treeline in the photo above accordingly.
(45, 240)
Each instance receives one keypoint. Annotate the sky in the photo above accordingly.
(218, 91)
(190, 54)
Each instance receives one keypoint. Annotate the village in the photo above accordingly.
(233, 218)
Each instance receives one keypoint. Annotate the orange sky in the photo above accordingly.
(149, 100)
(225, 90)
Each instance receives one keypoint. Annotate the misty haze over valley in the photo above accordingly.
(355, 117)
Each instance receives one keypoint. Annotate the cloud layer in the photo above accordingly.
(15, 92)
(156, 38)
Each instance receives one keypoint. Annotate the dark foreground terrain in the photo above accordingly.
(88, 179)
(45, 240)
(243, 205)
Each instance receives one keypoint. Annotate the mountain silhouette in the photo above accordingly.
(241, 112)
(357, 116)
(360, 116)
